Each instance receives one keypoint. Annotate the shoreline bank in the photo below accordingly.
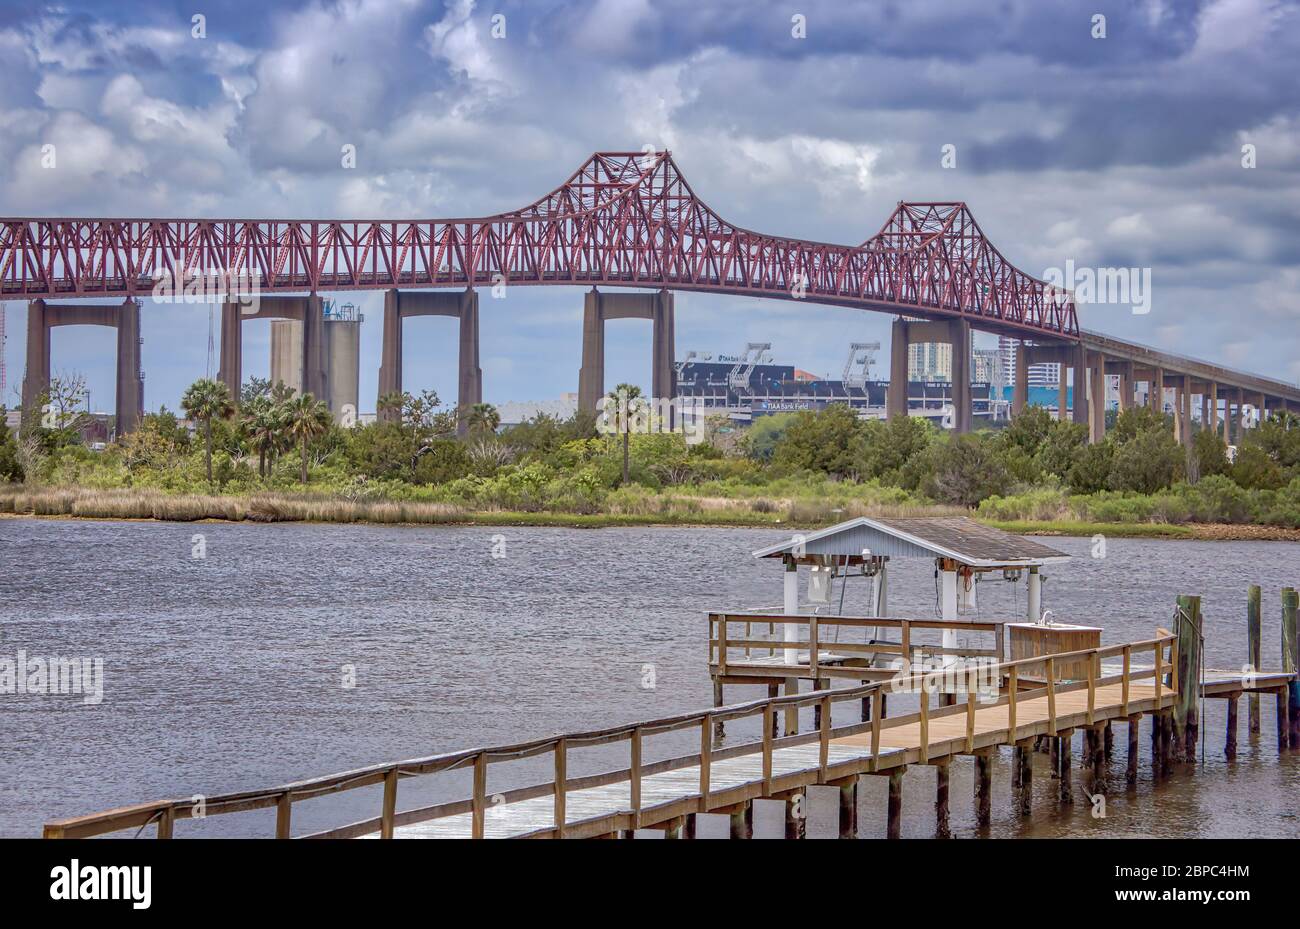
(156, 506)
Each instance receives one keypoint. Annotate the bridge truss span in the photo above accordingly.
(625, 219)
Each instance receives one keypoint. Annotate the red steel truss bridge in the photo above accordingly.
(623, 219)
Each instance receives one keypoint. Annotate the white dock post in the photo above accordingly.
(948, 588)
(880, 597)
(791, 630)
(1035, 609)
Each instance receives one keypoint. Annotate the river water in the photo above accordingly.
(231, 671)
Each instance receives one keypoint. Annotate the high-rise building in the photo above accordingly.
(929, 361)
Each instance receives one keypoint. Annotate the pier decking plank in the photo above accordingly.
(899, 744)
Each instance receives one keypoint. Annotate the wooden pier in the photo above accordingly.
(766, 786)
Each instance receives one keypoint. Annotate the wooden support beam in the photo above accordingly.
(983, 789)
(1026, 785)
(1283, 726)
(479, 812)
(1291, 660)
(1131, 772)
(943, 826)
(1098, 761)
(1230, 736)
(1254, 626)
(792, 714)
(1157, 768)
(1188, 669)
(796, 817)
(390, 805)
(894, 821)
(849, 808)
(283, 814)
(718, 725)
(561, 767)
(635, 777)
(742, 821)
(1066, 789)
(166, 820)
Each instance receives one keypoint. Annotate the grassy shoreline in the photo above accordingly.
(153, 505)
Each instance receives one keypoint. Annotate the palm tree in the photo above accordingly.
(624, 399)
(307, 419)
(482, 418)
(204, 401)
(261, 422)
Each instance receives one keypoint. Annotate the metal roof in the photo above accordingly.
(957, 537)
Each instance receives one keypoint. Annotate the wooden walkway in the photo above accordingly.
(950, 732)
(1028, 701)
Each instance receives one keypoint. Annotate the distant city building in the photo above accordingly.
(1040, 375)
(744, 393)
(929, 361)
(513, 413)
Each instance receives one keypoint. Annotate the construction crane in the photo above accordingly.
(739, 377)
(857, 369)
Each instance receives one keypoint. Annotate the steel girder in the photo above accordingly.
(622, 219)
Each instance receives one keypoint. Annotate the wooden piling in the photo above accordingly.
(819, 684)
(1291, 661)
(774, 691)
(1099, 784)
(1109, 745)
(849, 808)
(796, 815)
(1283, 727)
(1157, 746)
(1065, 789)
(894, 823)
(1055, 763)
(1026, 786)
(792, 713)
(983, 789)
(1230, 737)
(943, 826)
(1131, 772)
(1254, 625)
(742, 821)
(1188, 670)
(718, 727)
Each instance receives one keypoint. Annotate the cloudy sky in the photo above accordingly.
(1117, 151)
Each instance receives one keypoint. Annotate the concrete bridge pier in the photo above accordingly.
(600, 307)
(1080, 383)
(1097, 398)
(306, 310)
(908, 332)
(1030, 355)
(124, 317)
(463, 305)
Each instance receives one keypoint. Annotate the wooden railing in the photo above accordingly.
(165, 813)
(817, 639)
